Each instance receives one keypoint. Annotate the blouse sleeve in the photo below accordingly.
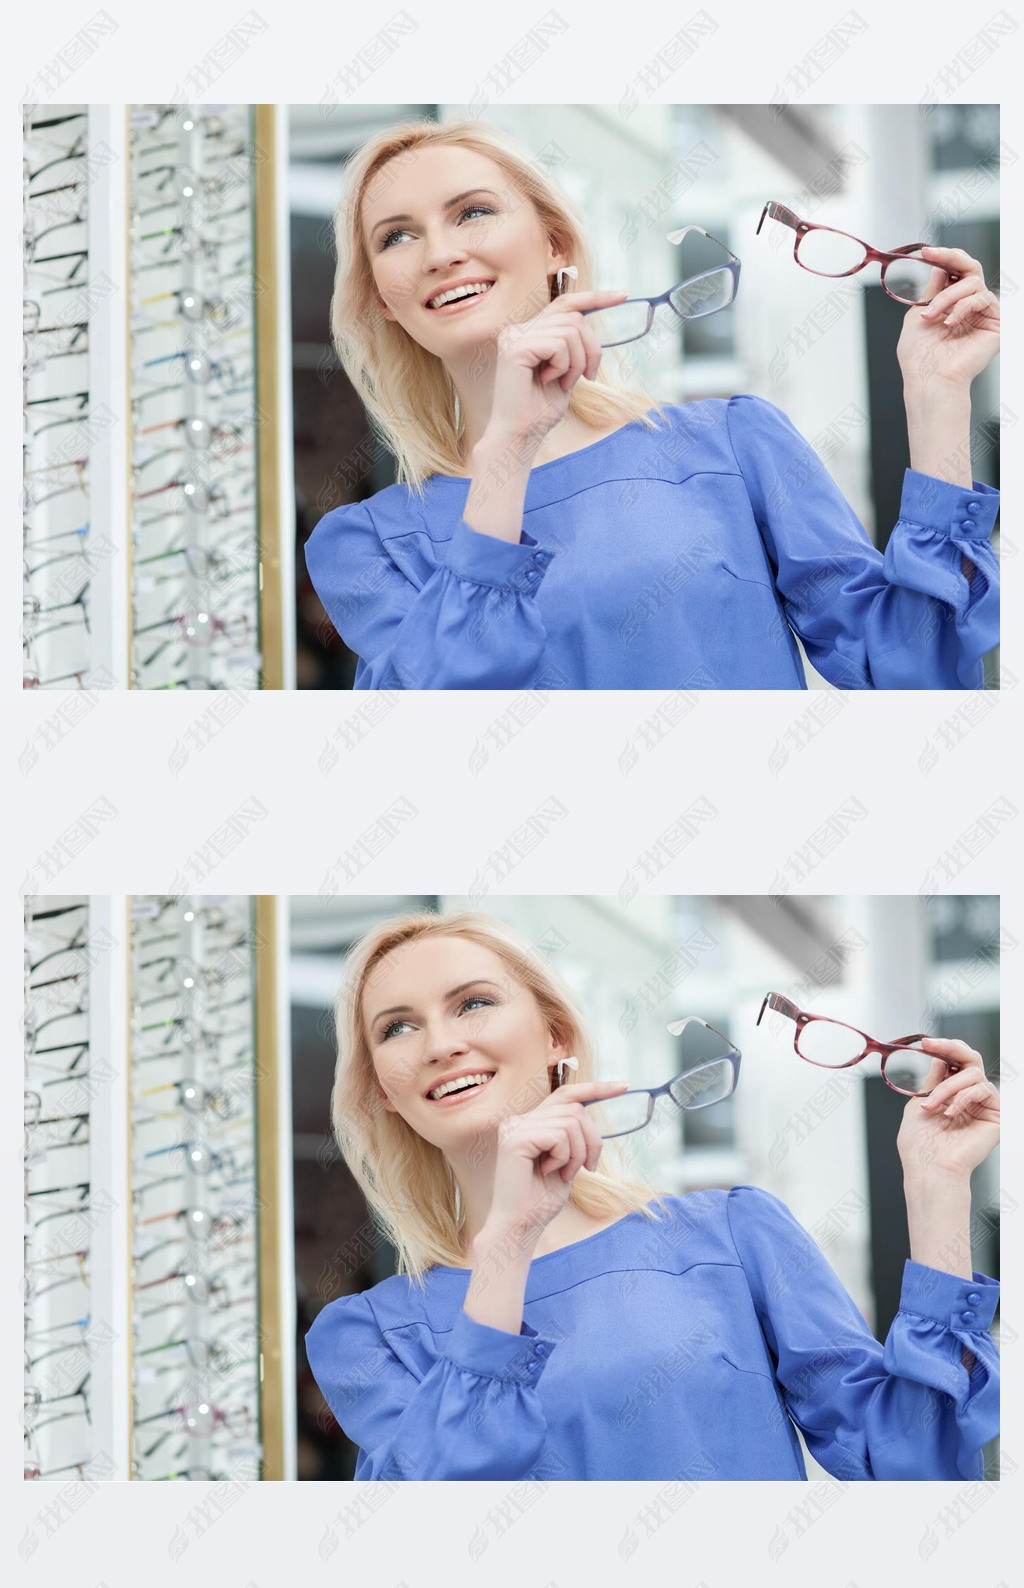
(470, 1410)
(425, 614)
(909, 1410)
(908, 620)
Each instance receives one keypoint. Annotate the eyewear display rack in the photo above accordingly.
(157, 476)
(155, 1243)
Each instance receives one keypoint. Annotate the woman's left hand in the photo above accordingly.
(928, 348)
(934, 1140)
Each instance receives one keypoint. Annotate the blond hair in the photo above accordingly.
(407, 1181)
(406, 390)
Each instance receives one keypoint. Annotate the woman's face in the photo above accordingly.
(442, 218)
(444, 1007)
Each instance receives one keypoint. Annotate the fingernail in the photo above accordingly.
(948, 320)
(951, 1109)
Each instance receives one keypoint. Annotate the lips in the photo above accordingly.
(457, 1096)
(458, 303)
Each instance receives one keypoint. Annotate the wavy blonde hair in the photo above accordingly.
(407, 391)
(407, 1181)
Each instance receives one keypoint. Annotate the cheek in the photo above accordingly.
(395, 284)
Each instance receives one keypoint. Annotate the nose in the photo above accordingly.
(442, 249)
(444, 1041)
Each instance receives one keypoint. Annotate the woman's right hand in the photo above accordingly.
(540, 1153)
(539, 362)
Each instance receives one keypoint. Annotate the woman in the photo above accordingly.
(555, 529)
(553, 1318)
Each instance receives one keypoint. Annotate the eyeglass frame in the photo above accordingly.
(885, 1050)
(733, 1057)
(666, 297)
(787, 217)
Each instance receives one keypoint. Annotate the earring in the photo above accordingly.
(560, 278)
(562, 1066)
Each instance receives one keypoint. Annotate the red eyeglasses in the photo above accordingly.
(906, 275)
(833, 1045)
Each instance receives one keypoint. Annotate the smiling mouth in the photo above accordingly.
(464, 1090)
(466, 294)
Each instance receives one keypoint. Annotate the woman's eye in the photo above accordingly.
(391, 1027)
(400, 231)
(477, 998)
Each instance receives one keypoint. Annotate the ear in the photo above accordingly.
(382, 306)
(385, 1101)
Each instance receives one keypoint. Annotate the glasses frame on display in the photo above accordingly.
(783, 214)
(223, 171)
(885, 1050)
(733, 267)
(732, 1057)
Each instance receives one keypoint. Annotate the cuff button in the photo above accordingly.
(974, 507)
(968, 523)
(974, 1298)
(968, 1317)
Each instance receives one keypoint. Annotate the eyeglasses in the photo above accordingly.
(833, 1045)
(700, 1087)
(906, 275)
(691, 299)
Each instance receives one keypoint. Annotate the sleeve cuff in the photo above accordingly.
(959, 1304)
(477, 1348)
(485, 559)
(947, 508)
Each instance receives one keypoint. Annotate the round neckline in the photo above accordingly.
(539, 468)
(570, 1246)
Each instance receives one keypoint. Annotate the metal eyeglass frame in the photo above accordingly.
(885, 1050)
(666, 297)
(780, 212)
(733, 1057)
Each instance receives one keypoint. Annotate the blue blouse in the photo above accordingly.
(682, 1348)
(681, 557)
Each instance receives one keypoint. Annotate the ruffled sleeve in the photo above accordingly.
(470, 1410)
(910, 1410)
(908, 620)
(420, 613)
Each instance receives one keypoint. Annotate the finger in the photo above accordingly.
(944, 300)
(593, 348)
(593, 298)
(554, 365)
(577, 1150)
(953, 259)
(577, 358)
(981, 308)
(595, 1146)
(953, 1051)
(973, 1101)
(561, 1153)
(947, 1089)
(582, 1090)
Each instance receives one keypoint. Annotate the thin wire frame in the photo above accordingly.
(732, 1057)
(731, 267)
(782, 213)
(885, 1050)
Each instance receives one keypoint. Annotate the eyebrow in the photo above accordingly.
(450, 204)
(405, 1009)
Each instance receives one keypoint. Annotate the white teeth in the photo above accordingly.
(459, 1085)
(460, 292)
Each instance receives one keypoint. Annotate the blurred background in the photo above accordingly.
(822, 350)
(823, 1141)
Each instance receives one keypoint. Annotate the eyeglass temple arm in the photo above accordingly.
(775, 1000)
(677, 237)
(778, 212)
(677, 1027)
